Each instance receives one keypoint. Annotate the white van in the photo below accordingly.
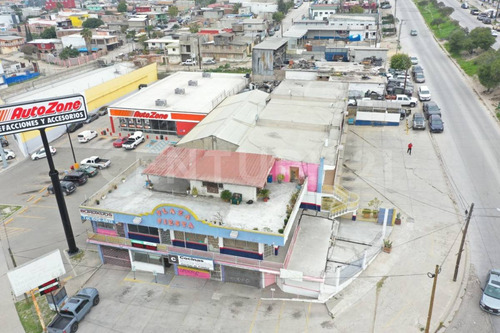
(86, 136)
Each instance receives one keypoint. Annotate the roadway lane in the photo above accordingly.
(468, 146)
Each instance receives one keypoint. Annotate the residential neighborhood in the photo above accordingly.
(249, 165)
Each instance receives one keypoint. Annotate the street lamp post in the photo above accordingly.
(399, 35)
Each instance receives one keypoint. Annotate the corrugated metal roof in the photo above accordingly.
(212, 166)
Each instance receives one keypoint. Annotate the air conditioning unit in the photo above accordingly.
(192, 83)
(206, 74)
(161, 102)
(180, 91)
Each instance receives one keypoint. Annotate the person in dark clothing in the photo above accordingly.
(410, 146)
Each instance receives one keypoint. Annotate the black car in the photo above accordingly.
(103, 110)
(436, 124)
(431, 108)
(66, 187)
(76, 177)
(5, 143)
(74, 126)
(91, 117)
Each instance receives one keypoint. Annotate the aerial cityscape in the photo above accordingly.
(249, 166)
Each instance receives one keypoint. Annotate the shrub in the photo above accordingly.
(226, 195)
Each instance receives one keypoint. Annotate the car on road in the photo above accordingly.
(9, 154)
(436, 124)
(424, 94)
(90, 171)
(465, 5)
(189, 62)
(482, 16)
(118, 143)
(5, 142)
(418, 121)
(86, 136)
(431, 108)
(103, 110)
(490, 300)
(40, 153)
(486, 20)
(414, 60)
(277, 27)
(96, 162)
(474, 11)
(209, 62)
(76, 177)
(414, 32)
(91, 117)
(74, 126)
(385, 5)
(134, 140)
(66, 187)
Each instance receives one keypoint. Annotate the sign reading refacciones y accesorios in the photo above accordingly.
(27, 116)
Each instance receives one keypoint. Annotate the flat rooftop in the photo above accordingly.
(133, 198)
(201, 99)
(311, 248)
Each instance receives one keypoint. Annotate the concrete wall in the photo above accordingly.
(247, 192)
(308, 170)
(209, 143)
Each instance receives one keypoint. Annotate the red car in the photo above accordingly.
(120, 141)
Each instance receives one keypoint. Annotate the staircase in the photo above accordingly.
(347, 202)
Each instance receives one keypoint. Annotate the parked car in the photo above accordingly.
(474, 11)
(66, 187)
(189, 62)
(482, 16)
(9, 154)
(76, 177)
(385, 5)
(414, 60)
(210, 61)
(419, 77)
(431, 108)
(277, 27)
(90, 171)
(73, 127)
(5, 142)
(96, 162)
(134, 140)
(487, 20)
(40, 153)
(418, 121)
(465, 5)
(86, 136)
(73, 311)
(91, 117)
(118, 143)
(270, 33)
(424, 94)
(494, 33)
(414, 32)
(436, 124)
(103, 110)
(490, 300)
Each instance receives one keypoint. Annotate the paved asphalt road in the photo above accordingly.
(469, 148)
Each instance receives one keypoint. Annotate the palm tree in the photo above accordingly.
(87, 36)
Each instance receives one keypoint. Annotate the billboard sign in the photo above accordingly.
(27, 116)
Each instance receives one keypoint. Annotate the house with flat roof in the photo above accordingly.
(9, 44)
(174, 105)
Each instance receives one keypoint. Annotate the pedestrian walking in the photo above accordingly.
(410, 146)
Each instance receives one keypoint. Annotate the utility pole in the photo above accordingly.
(464, 234)
(395, 9)
(496, 12)
(435, 276)
(399, 35)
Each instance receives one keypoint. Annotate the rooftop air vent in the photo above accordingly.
(180, 91)
(193, 83)
(206, 74)
(161, 102)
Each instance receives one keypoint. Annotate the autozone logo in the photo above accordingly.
(150, 115)
(42, 110)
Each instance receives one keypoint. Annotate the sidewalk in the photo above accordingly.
(393, 293)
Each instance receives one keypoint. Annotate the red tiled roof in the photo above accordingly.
(212, 166)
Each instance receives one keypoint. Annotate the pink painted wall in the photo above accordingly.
(309, 170)
(193, 272)
(269, 279)
(107, 232)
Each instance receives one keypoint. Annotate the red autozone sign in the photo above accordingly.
(21, 117)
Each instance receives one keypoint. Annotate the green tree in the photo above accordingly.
(87, 36)
(481, 37)
(173, 11)
(142, 41)
(400, 61)
(194, 28)
(456, 40)
(122, 7)
(357, 9)
(123, 29)
(282, 6)
(278, 17)
(236, 8)
(437, 22)
(92, 23)
(68, 52)
(48, 33)
(446, 11)
(29, 49)
(486, 76)
(175, 26)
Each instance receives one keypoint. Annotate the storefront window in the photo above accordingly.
(165, 127)
(123, 123)
(148, 258)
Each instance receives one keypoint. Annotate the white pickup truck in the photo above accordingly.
(96, 162)
(134, 140)
(403, 100)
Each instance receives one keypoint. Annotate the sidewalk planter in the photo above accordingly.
(387, 246)
(366, 213)
(264, 194)
(280, 178)
(375, 213)
(397, 221)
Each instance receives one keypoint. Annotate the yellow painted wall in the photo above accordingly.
(76, 21)
(109, 91)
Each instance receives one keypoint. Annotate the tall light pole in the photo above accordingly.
(399, 35)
